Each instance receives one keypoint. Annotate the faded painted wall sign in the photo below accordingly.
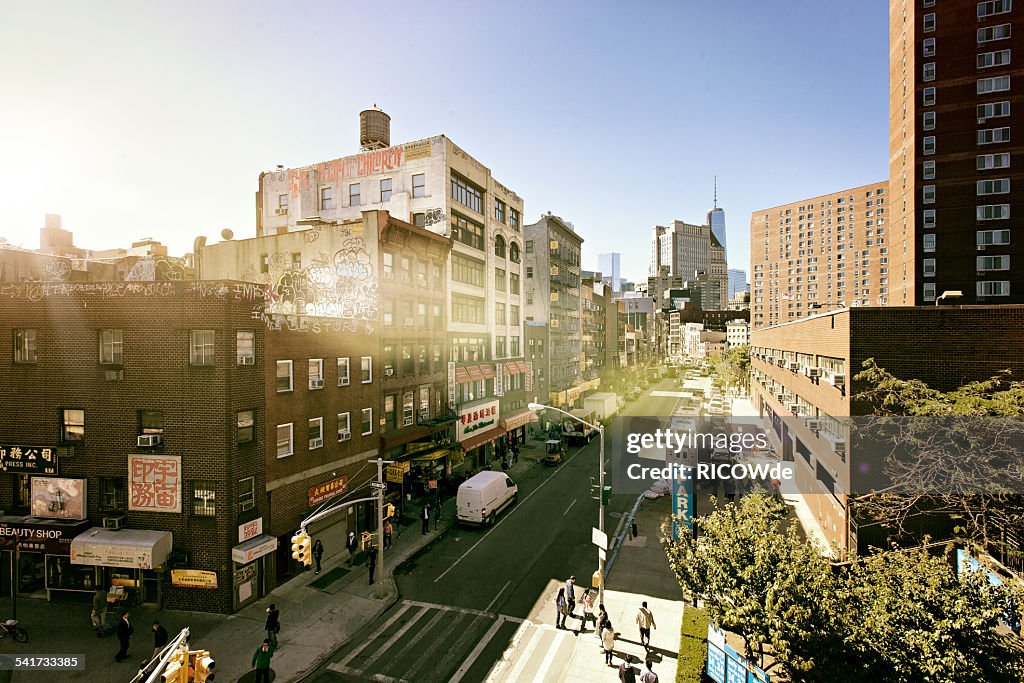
(154, 483)
(337, 170)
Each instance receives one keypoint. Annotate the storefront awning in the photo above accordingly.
(512, 368)
(129, 548)
(474, 373)
(430, 457)
(517, 419)
(487, 371)
(405, 435)
(35, 534)
(461, 375)
(480, 439)
(521, 364)
(254, 548)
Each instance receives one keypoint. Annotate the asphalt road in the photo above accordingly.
(464, 596)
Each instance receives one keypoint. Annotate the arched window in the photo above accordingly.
(513, 252)
(499, 246)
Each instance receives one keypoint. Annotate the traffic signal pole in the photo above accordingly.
(380, 591)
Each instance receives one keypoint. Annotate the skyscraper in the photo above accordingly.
(610, 268)
(716, 219)
(737, 282)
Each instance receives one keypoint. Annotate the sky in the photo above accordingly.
(144, 119)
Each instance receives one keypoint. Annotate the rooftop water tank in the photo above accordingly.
(374, 129)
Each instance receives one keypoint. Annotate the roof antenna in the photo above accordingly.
(716, 193)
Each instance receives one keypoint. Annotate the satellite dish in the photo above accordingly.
(226, 233)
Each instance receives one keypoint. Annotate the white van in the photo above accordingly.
(483, 496)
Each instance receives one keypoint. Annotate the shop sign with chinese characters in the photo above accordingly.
(154, 483)
(250, 530)
(28, 459)
(193, 578)
(477, 419)
(327, 490)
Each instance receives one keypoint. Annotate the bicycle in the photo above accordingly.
(11, 628)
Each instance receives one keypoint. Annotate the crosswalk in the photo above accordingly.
(422, 642)
(538, 652)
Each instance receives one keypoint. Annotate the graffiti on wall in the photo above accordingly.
(157, 269)
(235, 291)
(57, 269)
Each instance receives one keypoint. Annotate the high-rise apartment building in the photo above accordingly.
(737, 282)
(827, 252)
(684, 252)
(955, 182)
(610, 267)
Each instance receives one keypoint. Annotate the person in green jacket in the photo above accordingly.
(261, 661)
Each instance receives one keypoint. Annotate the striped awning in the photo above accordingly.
(461, 375)
(512, 368)
(487, 370)
(474, 373)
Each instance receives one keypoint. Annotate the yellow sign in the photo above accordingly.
(193, 578)
(396, 472)
(417, 150)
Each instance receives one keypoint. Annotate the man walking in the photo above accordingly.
(99, 608)
(261, 661)
(273, 625)
(645, 620)
(649, 675)
(570, 593)
(351, 546)
(124, 634)
(159, 638)
(318, 553)
(372, 561)
(388, 530)
(425, 516)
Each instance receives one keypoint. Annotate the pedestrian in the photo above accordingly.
(602, 622)
(261, 661)
(609, 645)
(649, 675)
(318, 553)
(587, 605)
(99, 608)
(372, 562)
(124, 634)
(351, 545)
(570, 593)
(645, 620)
(273, 624)
(159, 638)
(425, 516)
(626, 672)
(561, 608)
(388, 530)
(437, 511)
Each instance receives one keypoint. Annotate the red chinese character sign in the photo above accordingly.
(476, 420)
(154, 483)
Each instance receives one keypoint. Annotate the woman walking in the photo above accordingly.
(587, 606)
(609, 645)
(562, 608)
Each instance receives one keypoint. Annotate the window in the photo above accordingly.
(389, 265)
(513, 283)
(285, 447)
(993, 161)
(929, 218)
(424, 407)
(282, 203)
(467, 309)
(929, 170)
(421, 273)
(245, 426)
(468, 232)
(989, 237)
(989, 136)
(499, 211)
(928, 242)
(499, 279)
(112, 494)
(928, 194)
(435, 311)
(111, 345)
(928, 291)
(928, 97)
(514, 349)
(989, 212)
(987, 9)
(928, 120)
(73, 425)
(997, 288)
(529, 299)
(993, 110)
(385, 190)
(408, 408)
(245, 347)
(344, 428)
(343, 377)
(997, 186)
(315, 433)
(928, 47)
(928, 71)
(22, 491)
(366, 421)
(408, 365)
(264, 263)
(513, 252)
(151, 422)
(993, 263)
(284, 376)
(326, 198)
(987, 60)
(929, 22)
(993, 84)
(316, 373)
(499, 313)
(421, 315)
(204, 498)
(928, 145)
(419, 219)
(990, 33)
(529, 271)
(354, 196)
(366, 369)
(246, 493)
(514, 315)
(296, 260)
(419, 185)
(529, 246)
(499, 246)
(467, 194)
(25, 346)
(499, 347)
(513, 219)
(201, 347)
(467, 270)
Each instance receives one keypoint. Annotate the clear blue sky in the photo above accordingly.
(135, 119)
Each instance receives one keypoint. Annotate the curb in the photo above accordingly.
(621, 536)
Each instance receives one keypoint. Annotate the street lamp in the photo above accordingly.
(600, 515)
(948, 294)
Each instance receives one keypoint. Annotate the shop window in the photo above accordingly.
(204, 498)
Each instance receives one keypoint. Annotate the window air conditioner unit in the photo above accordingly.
(780, 397)
(344, 435)
(981, 247)
(793, 408)
(839, 380)
(389, 372)
(246, 360)
(316, 384)
(149, 439)
(114, 523)
(281, 212)
(814, 373)
(316, 443)
(113, 375)
(814, 425)
(793, 366)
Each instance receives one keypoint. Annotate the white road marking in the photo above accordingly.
(471, 659)
(506, 517)
(384, 627)
(569, 508)
(491, 603)
(392, 640)
(359, 674)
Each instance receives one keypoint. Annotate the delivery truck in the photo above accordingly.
(602, 405)
(575, 431)
(483, 496)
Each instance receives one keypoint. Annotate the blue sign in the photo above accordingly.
(716, 664)
(966, 563)
(726, 665)
(684, 504)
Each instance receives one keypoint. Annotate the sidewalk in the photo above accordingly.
(314, 621)
(640, 572)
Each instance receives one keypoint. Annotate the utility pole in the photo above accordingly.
(381, 590)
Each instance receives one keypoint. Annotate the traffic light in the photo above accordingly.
(175, 670)
(301, 548)
(204, 667)
(606, 495)
(389, 511)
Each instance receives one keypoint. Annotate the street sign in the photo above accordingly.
(599, 538)
(378, 486)
(602, 554)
